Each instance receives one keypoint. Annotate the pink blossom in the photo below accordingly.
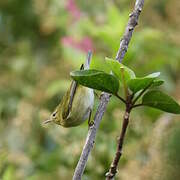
(73, 9)
(84, 44)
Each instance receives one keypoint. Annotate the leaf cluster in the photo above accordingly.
(134, 87)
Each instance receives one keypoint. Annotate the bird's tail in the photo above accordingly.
(88, 60)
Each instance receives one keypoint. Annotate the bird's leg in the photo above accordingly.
(90, 123)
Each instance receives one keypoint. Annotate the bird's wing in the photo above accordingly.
(72, 93)
(69, 99)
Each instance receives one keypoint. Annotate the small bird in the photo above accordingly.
(76, 105)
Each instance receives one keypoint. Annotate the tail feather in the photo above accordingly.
(88, 60)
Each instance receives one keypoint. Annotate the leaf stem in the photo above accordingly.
(137, 105)
(141, 93)
(119, 97)
(124, 83)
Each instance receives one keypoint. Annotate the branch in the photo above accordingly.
(133, 21)
(90, 139)
(113, 169)
(120, 55)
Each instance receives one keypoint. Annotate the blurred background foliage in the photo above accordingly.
(41, 41)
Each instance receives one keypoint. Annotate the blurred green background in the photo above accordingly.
(41, 41)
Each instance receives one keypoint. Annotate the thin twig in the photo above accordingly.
(113, 169)
(123, 46)
(90, 139)
(114, 166)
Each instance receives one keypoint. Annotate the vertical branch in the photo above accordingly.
(132, 23)
(90, 139)
(114, 166)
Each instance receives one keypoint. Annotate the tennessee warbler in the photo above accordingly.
(76, 105)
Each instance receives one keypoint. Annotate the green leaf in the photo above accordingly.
(97, 80)
(138, 84)
(118, 69)
(162, 101)
(157, 83)
(153, 75)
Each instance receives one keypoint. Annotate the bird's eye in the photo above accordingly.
(54, 114)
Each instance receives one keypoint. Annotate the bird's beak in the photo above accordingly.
(47, 121)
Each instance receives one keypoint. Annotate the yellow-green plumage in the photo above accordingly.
(82, 105)
(76, 105)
